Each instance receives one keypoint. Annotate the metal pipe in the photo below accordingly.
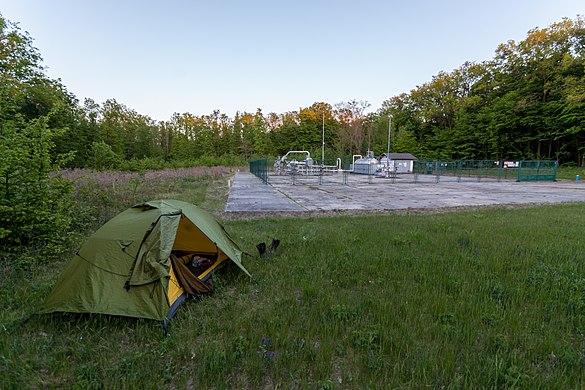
(296, 151)
(352, 167)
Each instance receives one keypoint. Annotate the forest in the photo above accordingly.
(527, 102)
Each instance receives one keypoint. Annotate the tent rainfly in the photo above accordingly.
(145, 262)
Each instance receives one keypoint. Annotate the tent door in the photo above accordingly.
(190, 283)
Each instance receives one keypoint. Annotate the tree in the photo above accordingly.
(19, 60)
(284, 137)
(351, 116)
(101, 157)
(34, 204)
(532, 77)
(527, 102)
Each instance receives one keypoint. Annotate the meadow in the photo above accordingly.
(486, 298)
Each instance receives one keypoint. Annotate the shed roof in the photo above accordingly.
(399, 156)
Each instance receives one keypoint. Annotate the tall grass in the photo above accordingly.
(102, 195)
(480, 299)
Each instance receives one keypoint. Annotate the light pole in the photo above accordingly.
(323, 143)
(388, 154)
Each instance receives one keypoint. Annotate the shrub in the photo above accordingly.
(35, 206)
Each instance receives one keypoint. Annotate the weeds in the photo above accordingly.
(102, 195)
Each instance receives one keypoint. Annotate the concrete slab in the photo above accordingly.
(248, 193)
(365, 193)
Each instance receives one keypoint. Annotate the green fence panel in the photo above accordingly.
(259, 168)
(537, 170)
(533, 170)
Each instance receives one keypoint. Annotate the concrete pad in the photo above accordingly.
(366, 193)
(248, 193)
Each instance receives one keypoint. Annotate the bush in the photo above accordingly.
(35, 206)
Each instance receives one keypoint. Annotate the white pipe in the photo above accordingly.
(296, 151)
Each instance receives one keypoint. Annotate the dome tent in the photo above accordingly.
(141, 262)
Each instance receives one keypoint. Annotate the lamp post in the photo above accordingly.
(323, 143)
(388, 154)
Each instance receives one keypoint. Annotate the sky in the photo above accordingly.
(162, 57)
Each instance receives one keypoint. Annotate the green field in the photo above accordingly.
(490, 298)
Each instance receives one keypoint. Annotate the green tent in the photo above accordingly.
(144, 262)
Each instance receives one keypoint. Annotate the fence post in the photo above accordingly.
(416, 168)
(479, 168)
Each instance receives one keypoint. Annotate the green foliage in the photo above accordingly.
(19, 60)
(35, 206)
(526, 103)
(102, 157)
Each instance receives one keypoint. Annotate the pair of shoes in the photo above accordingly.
(262, 247)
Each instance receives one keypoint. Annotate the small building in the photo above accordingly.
(402, 162)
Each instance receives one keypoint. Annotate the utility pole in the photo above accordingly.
(388, 154)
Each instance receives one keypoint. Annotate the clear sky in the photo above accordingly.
(161, 57)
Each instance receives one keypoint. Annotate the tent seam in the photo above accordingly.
(101, 268)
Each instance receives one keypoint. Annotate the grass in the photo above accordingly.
(480, 299)
(102, 195)
(570, 173)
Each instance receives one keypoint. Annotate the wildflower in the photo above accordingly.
(264, 349)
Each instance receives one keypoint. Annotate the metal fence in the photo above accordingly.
(468, 169)
(337, 172)
(537, 170)
(259, 168)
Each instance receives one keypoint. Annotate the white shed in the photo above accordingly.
(403, 162)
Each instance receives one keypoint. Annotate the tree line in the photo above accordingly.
(528, 102)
